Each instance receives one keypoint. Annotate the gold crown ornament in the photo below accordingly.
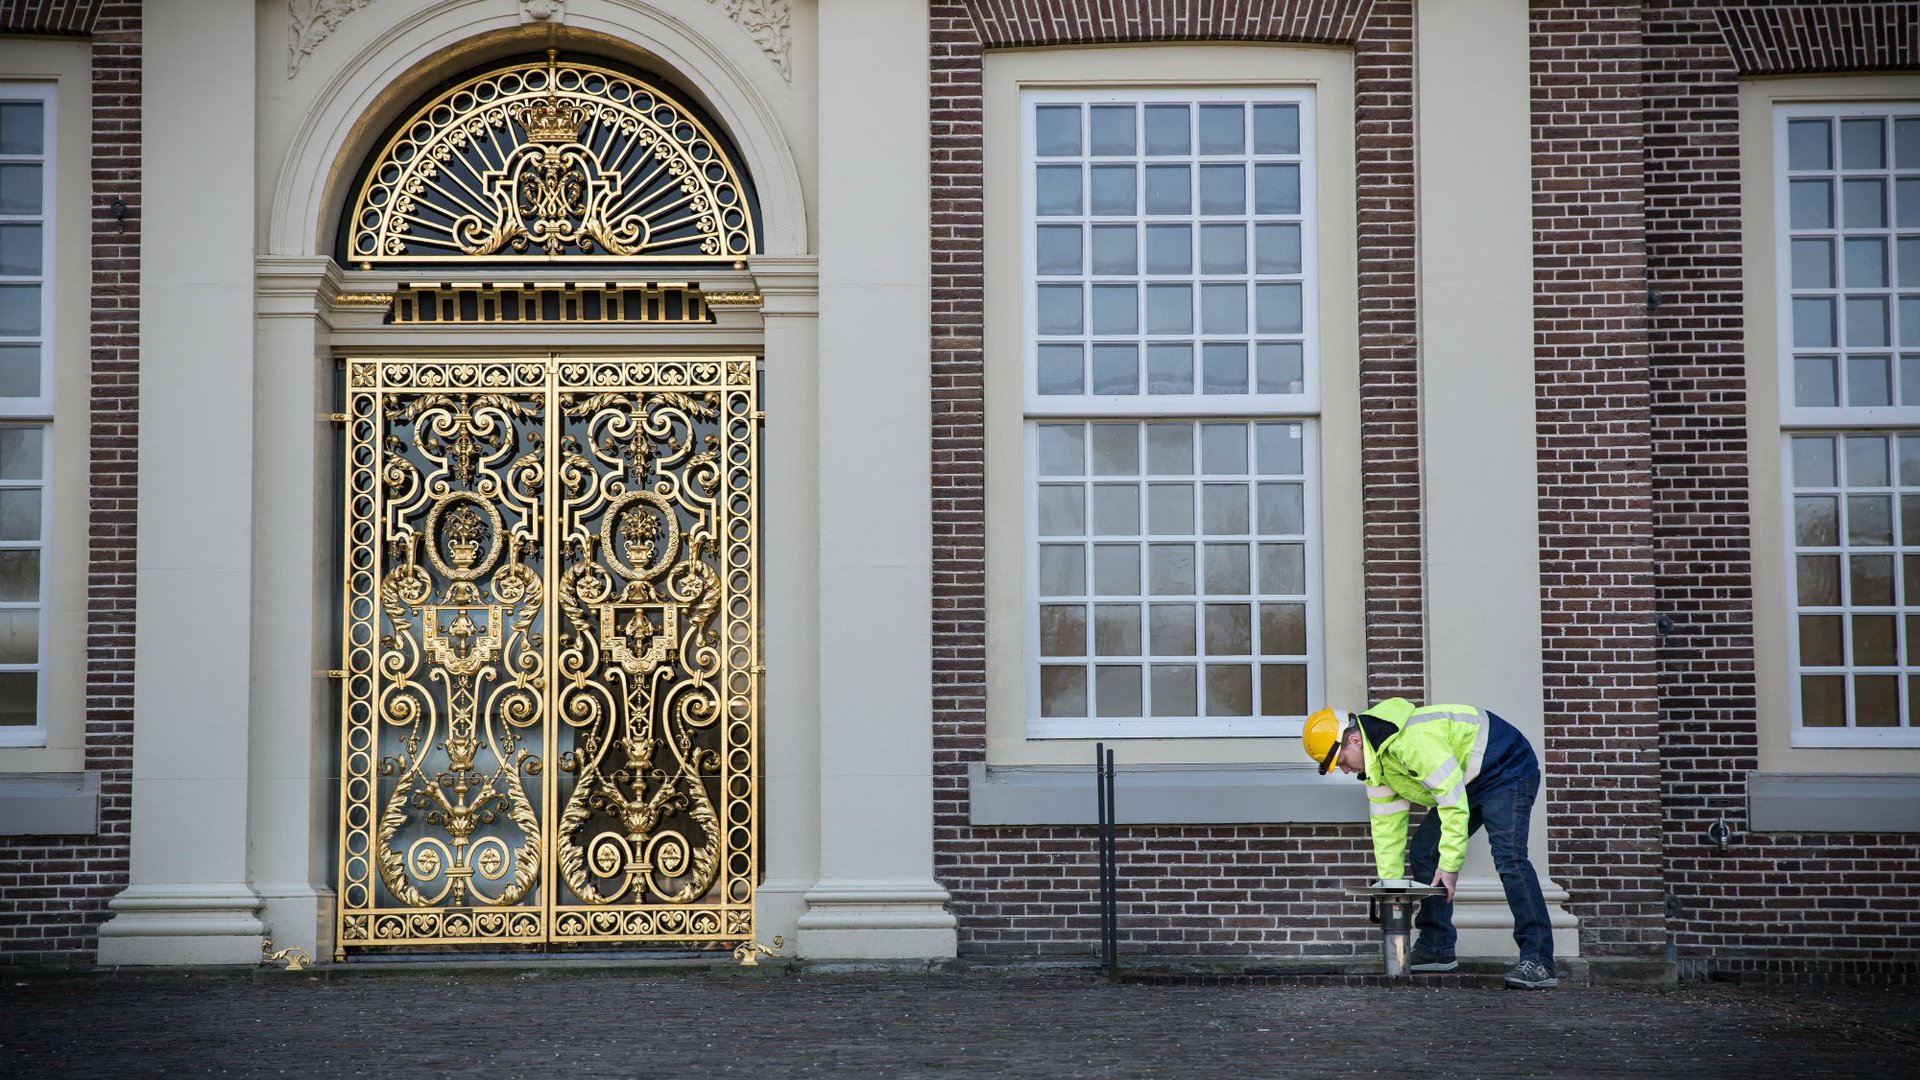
(552, 120)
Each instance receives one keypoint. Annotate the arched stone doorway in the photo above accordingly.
(550, 668)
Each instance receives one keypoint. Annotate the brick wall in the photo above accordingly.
(1232, 890)
(1596, 568)
(1782, 905)
(55, 889)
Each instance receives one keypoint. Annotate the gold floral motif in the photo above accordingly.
(551, 161)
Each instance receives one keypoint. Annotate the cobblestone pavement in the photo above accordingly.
(438, 1023)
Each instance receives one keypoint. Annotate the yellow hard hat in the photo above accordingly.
(1321, 738)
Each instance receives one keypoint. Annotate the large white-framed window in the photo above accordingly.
(1171, 400)
(27, 193)
(1847, 284)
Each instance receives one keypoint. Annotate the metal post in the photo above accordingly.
(1100, 841)
(1396, 921)
(1113, 882)
(1391, 908)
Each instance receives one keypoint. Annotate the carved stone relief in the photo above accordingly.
(309, 24)
(770, 24)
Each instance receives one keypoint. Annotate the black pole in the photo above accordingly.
(1113, 883)
(1100, 840)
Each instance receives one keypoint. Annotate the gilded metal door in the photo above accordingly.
(551, 652)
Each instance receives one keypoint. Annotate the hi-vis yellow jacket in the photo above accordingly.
(1430, 760)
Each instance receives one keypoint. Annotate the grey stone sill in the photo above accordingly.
(49, 804)
(1163, 795)
(1833, 802)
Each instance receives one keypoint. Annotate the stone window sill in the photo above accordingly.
(1163, 795)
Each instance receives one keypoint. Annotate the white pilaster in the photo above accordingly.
(876, 896)
(295, 586)
(790, 585)
(188, 900)
(1477, 401)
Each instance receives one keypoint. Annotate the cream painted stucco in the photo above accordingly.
(318, 125)
(68, 66)
(876, 895)
(790, 570)
(1329, 72)
(1479, 484)
(268, 706)
(1772, 599)
(189, 900)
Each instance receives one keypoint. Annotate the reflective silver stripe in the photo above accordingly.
(1479, 753)
(1441, 778)
(1398, 806)
(1481, 730)
(1379, 792)
(1425, 715)
(1450, 797)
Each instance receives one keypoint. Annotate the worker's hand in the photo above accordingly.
(1447, 879)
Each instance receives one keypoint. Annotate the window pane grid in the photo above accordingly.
(1850, 260)
(22, 578)
(1172, 576)
(1170, 250)
(25, 248)
(1854, 508)
(1168, 246)
(26, 305)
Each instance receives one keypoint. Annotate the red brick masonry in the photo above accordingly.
(54, 889)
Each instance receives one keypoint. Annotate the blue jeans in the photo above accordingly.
(1505, 812)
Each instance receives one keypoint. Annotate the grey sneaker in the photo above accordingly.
(1531, 975)
(1422, 960)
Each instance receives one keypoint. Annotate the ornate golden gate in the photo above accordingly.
(551, 654)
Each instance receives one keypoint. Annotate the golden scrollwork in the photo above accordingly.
(725, 300)
(554, 160)
(294, 957)
(551, 664)
(750, 952)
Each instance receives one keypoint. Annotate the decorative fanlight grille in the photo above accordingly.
(546, 162)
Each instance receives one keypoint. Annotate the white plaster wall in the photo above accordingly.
(188, 901)
(317, 125)
(237, 727)
(1477, 404)
(876, 896)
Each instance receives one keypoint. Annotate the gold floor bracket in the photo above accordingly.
(750, 952)
(294, 957)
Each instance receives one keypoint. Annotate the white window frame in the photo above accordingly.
(37, 412)
(1891, 421)
(1303, 408)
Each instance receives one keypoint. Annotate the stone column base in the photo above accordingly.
(778, 905)
(877, 920)
(1485, 922)
(183, 924)
(299, 916)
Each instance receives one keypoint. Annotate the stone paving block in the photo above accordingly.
(599, 1020)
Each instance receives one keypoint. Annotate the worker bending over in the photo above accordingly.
(1475, 770)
